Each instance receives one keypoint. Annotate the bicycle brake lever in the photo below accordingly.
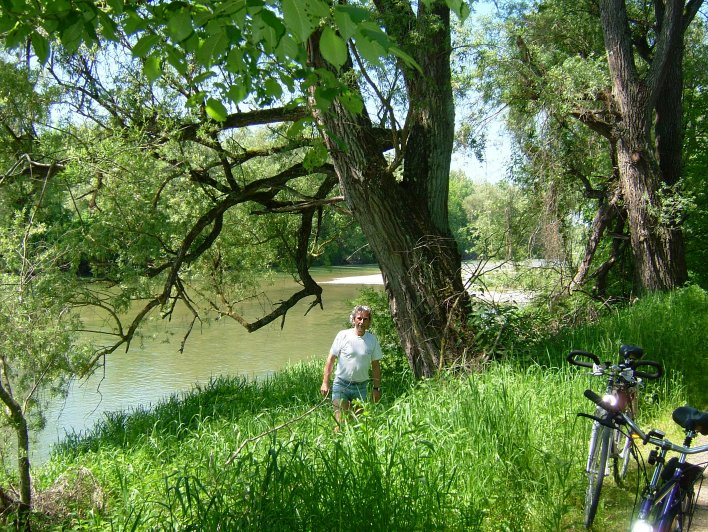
(607, 422)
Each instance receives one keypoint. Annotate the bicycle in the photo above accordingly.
(623, 381)
(669, 498)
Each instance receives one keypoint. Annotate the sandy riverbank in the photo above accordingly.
(505, 296)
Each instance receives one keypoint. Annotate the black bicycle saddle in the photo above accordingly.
(691, 419)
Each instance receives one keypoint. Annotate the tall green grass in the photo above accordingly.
(671, 328)
(501, 449)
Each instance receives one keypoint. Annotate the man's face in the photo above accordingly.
(362, 320)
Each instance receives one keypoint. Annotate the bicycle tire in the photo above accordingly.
(622, 453)
(597, 467)
(622, 443)
(682, 514)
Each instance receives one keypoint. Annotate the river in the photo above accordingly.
(153, 368)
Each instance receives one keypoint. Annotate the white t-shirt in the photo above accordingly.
(354, 354)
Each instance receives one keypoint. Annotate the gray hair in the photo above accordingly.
(360, 308)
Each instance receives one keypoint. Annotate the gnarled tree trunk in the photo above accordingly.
(657, 242)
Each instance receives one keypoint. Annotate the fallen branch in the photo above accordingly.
(272, 430)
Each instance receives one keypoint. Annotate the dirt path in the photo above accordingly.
(700, 517)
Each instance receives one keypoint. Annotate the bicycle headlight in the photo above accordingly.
(609, 399)
(642, 526)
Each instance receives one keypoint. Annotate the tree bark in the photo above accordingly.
(19, 424)
(607, 211)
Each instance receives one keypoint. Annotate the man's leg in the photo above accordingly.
(341, 409)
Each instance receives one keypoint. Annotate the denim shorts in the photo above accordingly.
(348, 391)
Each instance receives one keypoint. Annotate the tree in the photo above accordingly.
(40, 349)
(561, 78)
(400, 202)
(646, 107)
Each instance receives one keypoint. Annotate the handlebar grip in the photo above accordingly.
(643, 374)
(571, 358)
(599, 402)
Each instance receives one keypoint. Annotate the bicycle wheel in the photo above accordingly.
(597, 468)
(621, 454)
(679, 519)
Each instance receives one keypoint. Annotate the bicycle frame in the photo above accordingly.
(662, 501)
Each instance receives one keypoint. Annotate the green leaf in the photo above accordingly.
(372, 32)
(315, 157)
(235, 62)
(216, 110)
(152, 68)
(237, 93)
(302, 17)
(297, 127)
(203, 77)
(273, 88)
(144, 45)
(371, 50)
(264, 34)
(352, 102)
(134, 23)
(333, 48)
(348, 19)
(212, 48)
(108, 26)
(40, 45)
(395, 50)
(179, 26)
(71, 36)
(459, 7)
(175, 57)
(288, 48)
(115, 5)
(273, 21)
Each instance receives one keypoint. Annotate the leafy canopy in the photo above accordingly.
(261, 43)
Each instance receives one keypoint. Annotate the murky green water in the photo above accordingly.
(154, 368)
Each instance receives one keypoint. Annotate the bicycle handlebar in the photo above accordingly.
(646, 438)
(575, 358)
(572, 358)
(643, 374)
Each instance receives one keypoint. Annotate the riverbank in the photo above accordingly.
(240, 454)
(518, 297)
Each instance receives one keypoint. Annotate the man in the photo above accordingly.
(355, 350)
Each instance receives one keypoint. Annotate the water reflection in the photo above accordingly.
(154, 368)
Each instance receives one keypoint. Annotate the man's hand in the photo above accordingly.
(324, 389)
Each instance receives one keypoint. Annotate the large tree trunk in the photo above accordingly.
(657, 244)
(405, 221)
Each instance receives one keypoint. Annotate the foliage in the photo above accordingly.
(260, 47)
(696, 156)
(677, 343)
(39, 347)
(546, 64)
(504, 222)
(461, 187)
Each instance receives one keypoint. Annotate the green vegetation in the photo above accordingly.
(495, 450)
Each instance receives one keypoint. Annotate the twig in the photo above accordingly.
(271, 430)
